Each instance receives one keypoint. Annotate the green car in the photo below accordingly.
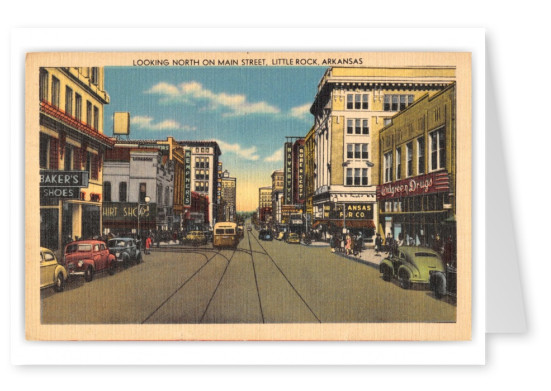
(411, 265)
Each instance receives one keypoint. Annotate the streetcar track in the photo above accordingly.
(186, 281)
(284, 276)
(217, 285)
(255, 278)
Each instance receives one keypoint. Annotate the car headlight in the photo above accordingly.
(117, 254)
(80, 263)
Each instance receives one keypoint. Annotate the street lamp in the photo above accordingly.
(147, 199)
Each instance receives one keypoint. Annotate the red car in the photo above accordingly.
(87, 257)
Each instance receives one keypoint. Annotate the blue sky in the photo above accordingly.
(247, 110)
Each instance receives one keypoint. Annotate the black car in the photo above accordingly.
(264, 234)
(125, 250)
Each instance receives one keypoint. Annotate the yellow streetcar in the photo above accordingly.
(225, 235)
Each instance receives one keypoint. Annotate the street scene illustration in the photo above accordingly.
(247, 195)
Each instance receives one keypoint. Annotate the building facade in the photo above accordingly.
(277, 195)
(351, 106)
(416, 194)
(71, 143)
(229, 188)
(138, 191)
(309, 173)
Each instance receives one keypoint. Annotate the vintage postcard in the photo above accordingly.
(248, 196)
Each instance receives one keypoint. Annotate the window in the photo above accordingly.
(437, 149)
(159, 193)
(68, 158)
(398, 163)
(78, 107)
(96, 118)
(94, 75)
(357, 101)
(94, 169)
(365, 126)
(350, 126)
(88, 113)
(349, 179)
(350, 151)
(43, 86)
(357, 176)
(122, 192)
(107, 191)
(357, 151)
(409, 159)
(55, 91)
(421, 155)
(167, 195)
(142, 192)
(365, 154)
(364, 176)
(388, 166)
(397, 102)
(68, 101)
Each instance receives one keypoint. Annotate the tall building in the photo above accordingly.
(229, 187)
(309, 173)
(264, 203)
(417, 189)
(351, 106)
(277, 195)
(71, 143)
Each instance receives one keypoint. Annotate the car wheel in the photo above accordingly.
(126, 262)
(405, 283)
(88, 274)
(112, 267)
(387, 273)
(438, 289)
(59, 285)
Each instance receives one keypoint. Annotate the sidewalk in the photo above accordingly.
(367, 256)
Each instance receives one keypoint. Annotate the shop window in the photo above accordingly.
(107, 191)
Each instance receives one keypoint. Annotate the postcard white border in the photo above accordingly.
(245, 353)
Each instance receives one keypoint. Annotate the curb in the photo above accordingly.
(358, 260)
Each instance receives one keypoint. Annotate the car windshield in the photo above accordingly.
(425, 255)
(230, 231)
(118, 243)
(73, 248)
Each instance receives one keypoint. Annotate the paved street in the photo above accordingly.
(260, 282)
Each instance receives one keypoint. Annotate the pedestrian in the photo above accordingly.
(388, 242)
(378, 244)
(147, 244)
(348, 245)
(332, 243)
(359, 244)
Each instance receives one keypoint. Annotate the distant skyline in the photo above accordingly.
(247, 110)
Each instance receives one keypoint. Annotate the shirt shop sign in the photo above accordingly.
(128, 211)
(57, 184)
(424, 184)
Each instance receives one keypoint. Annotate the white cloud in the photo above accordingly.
(277, 156)
(245, 153)
(145, 122)
(194, 93)
(302, 112)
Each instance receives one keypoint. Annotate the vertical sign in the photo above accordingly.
(301, 173)
(288, 172)
(187, 178)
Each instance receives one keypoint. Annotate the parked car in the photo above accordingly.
(125, 250)
(411, 265)
(280, 235)
(444, 283)
(265, 235)
(293, 237)
(51, 272)
(88, 257)
(196, 238)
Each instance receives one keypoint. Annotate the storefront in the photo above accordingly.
(122, 217)
(419, 210)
